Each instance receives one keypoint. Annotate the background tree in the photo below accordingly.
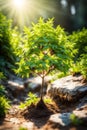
(45, 49)
(80, 39)
(83, 64)
(9, 40)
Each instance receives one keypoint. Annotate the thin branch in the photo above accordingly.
(36, 74)
(52, 67)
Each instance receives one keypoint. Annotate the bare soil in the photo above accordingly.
(37, 118)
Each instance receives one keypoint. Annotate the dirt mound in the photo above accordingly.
(39, 110)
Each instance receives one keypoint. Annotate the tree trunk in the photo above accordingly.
(42, 86)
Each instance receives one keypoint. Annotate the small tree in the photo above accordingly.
(45, 49)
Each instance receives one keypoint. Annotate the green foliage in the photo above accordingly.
(75, 120)
(32, 99)
(83, 66)
(62, 74)
(2, 76)
(4, 103)
(80, 38)
(23, 128)
(7, 44)
(4, 106)
(45, 48)
(2, 90)
(48, 100)
(76, 68)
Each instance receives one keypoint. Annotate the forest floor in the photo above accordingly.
(33, 118)
(38, 119)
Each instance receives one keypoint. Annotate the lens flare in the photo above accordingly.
(23, 12)
(19, 4)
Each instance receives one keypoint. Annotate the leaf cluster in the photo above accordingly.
(4, 102)
(45, 48)
(83, 64)
(75, 120)
(2, 90)
(23, 128)
(8, 42)
(32, 99)
(4, 106)
(80, 40)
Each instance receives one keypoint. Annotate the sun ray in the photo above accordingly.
(19, 4)
(23, 12)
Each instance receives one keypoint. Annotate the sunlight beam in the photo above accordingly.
(24, 12)
(19, 4)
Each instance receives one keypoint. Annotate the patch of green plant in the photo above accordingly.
(76, 68)
(23, 128)
(2, 76)
(80, 39)
(2, 90)
(62, 74)
(80, 66)
(48, 100)
(32, 99)
(4, 106)
(75, 120)
(9, 40)
(83, 64)
(57, 75)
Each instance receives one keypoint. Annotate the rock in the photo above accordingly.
(82, 104)
(34, 84)
(68, 88)
(62, 119)
(16, 87)
(81, 114)
(28, 125)
(16, 101)
(14, 120)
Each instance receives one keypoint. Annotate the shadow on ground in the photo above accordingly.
(2, 120)
(55, 126)
(39, 115)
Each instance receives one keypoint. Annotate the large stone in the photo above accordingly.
(34, 84)
(15, 86)
(68, 88)
(62, 119)
(82, 104)
(81, 114)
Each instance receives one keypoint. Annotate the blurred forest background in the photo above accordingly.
(70, 14)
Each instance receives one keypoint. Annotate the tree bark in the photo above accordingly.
(41, 92)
